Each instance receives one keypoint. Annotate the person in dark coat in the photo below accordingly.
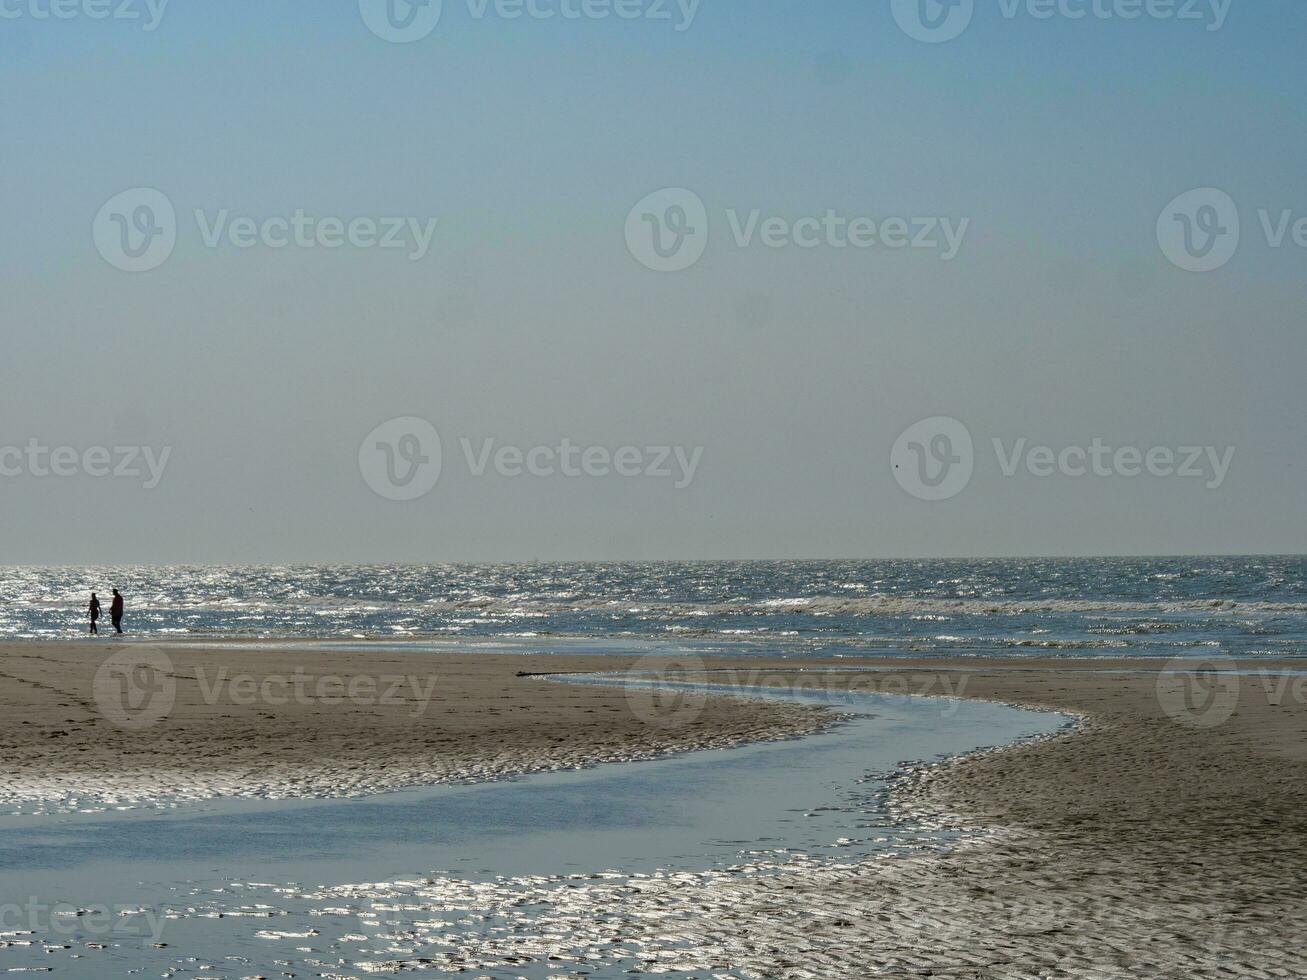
(116, 611)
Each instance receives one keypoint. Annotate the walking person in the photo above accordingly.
(95, 613)
(116, 611)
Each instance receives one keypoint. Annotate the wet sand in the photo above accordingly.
(1137, 845)
(1162, 837)
(246, 721)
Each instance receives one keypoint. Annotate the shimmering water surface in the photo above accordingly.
(1147, 607)
(339, 888)
(461, 878)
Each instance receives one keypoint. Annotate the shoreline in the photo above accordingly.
(162, 724)
(324, 711)
(1160, 835)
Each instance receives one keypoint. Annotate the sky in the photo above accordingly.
(343, 281)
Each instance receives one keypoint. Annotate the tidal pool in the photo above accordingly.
(424, 878)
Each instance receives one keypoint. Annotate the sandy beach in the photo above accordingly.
(1134, 846)
(1151, 840)
(239, 720)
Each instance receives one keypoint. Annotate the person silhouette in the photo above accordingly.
(95, 613)
(116, 611)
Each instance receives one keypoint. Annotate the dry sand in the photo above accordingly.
(244, 720)
(1151, 841)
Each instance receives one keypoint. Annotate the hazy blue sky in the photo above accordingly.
(1060, 320)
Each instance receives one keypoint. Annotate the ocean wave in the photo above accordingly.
(865, 606)
(981, 608)
(930, 605)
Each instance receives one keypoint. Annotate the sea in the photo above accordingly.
(1238, 607)
(569, 873)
